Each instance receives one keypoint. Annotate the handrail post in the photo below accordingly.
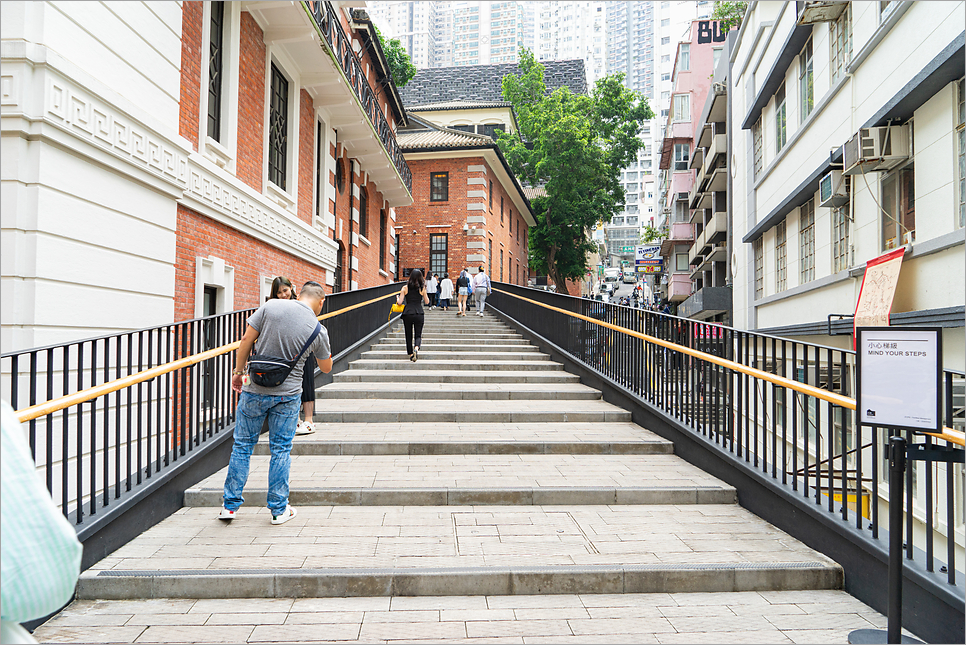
(897, 469)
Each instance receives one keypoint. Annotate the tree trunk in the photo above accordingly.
(560, 281)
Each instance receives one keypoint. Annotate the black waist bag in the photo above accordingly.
(271, 371)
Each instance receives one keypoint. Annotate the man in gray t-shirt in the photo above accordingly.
(279, 328)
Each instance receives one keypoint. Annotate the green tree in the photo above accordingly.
(574, 145)
(400, 65)
(729, 13)
(651, 234)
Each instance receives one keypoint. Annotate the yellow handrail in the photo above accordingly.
(953, 436)
(91, 393)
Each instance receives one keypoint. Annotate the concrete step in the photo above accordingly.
(443, 375)
(395, 344)
(441, 551)
(472, 353)
(432, 332)
(466, 479)
(455, 364)
(463, 339)
(508, 411)
(482, 391)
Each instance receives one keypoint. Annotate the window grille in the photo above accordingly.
(439, 187)
(278, 129)
(806, 237)
(438, 252)
(781, 259)
(215, 69)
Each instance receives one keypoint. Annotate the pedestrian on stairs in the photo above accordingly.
(463, 287)
(445, 292)
(282, 288)
(413, 295)
(282, 329)
(482, 287)
(432, 290)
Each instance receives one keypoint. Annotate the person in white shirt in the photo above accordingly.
(431, 291)
(445, 292)
(481, 289)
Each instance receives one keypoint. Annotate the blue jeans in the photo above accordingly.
(283, 414)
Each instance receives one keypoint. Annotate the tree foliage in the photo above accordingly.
(730, 14)
(574, 145)
(651, 234)
(400, 65)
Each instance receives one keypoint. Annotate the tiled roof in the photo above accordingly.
(457, 105)
(442, 138)
(483, 82)
(531, 193)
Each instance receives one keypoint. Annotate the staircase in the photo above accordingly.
(484, 481)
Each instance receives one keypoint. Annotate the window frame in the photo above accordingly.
(383, 231)
(841, 250)
(806, 241)
(676, 162)
(806, 81)
(675, 100)
(434, 189)
(840, 44)
(501, 210)
(279, 104)
(781, 256)
(758, 146)
(759, 252)
(904, 195)
(684, 57)
(216, 26)
(363, 211)
(961, 151)
(781, 118)
(436, 253)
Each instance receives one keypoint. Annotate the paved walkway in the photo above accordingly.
(474, 496)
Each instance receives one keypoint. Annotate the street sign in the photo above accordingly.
(899, 371)
(627, 249)
(648, 252)
(649, 269)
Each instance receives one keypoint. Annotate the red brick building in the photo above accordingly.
(468, 208)
(291, 115)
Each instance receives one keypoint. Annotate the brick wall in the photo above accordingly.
(192, 17)
(306, 161)
(427, 218)
(251, 103)
(200, 236)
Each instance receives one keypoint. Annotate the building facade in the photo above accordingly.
(165, 162)
(804, 91)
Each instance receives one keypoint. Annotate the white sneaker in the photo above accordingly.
(226, 514)
(305, 427)
(289, 513)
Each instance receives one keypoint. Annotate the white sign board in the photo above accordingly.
(648, 252)
(899, 372)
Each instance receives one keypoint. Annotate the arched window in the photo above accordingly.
(363, 209)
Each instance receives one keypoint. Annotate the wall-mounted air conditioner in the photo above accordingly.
(810, 13)
(876, 149)
(832, 190)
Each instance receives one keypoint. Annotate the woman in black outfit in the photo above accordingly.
(413, 295)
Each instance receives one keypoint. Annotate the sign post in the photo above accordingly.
(898, 377)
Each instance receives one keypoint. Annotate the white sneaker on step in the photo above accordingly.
(305, 427)
(289, 513)
(226, 514)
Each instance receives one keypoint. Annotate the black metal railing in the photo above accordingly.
(798, 429)
(327, 20)
(157, 401)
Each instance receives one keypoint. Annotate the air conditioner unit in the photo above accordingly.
(876, 149)
(719, 88)
(832, 190)
(810, 13)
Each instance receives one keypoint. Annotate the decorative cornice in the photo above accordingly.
(195, 182)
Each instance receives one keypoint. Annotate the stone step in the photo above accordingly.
(365, 375)
(464, 339)
(476, 438)
(467, 479)
(812, 616)
(474, 353)
(482, 391)
(441, 551)
(467, 348)
(454, 364)
(508, 411)
(431, 332)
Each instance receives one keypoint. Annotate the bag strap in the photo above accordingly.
(315, 334)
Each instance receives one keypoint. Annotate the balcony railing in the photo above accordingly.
(340, 45)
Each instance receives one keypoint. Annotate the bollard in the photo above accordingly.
(897, 470)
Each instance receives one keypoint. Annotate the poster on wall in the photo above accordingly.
(898, 376)
(878, 289)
